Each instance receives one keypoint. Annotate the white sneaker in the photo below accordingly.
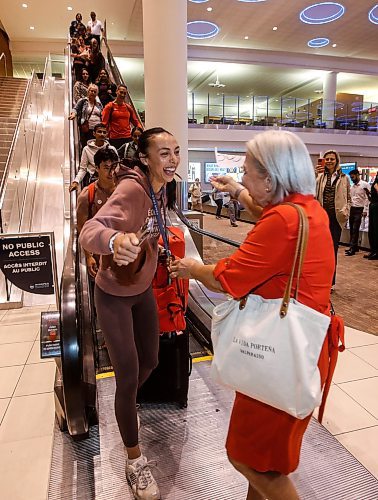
(141, 480)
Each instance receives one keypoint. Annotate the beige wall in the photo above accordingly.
(4, 47)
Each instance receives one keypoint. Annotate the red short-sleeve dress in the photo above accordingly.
(259, 436)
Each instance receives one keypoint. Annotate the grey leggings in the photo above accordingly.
(131, 330)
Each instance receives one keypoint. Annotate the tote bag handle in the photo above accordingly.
(300, 252)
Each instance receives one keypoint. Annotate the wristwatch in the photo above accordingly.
(111, 242)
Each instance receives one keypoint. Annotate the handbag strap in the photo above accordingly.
(90, 114)
(300, 251)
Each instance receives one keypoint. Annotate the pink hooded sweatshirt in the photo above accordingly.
(128, 210)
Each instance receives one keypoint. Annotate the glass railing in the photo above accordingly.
(281, 112)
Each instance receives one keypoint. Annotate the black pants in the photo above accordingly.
(131, 330)
(355, 218)
(219, 207)
(85, 137)
(335, 230)
(373, 227)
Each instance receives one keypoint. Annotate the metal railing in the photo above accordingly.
(253, 110)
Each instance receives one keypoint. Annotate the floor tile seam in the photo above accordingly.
(31, 394)
(49, 435)
(357, 402)
(16, 342)
(15, 387)
(18, 324)
(356, 430)
(359, 357)
(356, 380)
(30, 438)
(6, 409)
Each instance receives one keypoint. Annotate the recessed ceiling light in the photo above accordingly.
(198, 1)
(334, 45)
(25, 5)
(318, 42)
(275, 28)
(246, 37)
(200, 30)
(373, 15)
(69, 8)
(322, 13)
(251, 1)
(209, 9)
(31, 27)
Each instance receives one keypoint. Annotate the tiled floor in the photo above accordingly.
(27, 404)
(26, 407)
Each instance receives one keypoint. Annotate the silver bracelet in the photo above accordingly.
(111, 242)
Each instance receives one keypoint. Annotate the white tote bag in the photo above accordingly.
(269, 349)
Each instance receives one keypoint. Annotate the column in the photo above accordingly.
(165, 70)
(329, 98)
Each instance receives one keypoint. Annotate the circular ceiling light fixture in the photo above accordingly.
(322, 13)
(373, 15)
(198, 1)
(25, 5)
(315, 43)
(275, 28)
(209, 9)
(31, 27)
(199, 30)
(69, 8)
(251, 1)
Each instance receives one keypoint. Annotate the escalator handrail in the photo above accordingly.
(73, 391)
(117, 77)
(5, 175)
(203, 232)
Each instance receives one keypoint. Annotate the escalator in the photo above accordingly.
(84, 354)
(193, 464)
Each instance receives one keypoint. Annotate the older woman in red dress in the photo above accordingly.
(264, 443)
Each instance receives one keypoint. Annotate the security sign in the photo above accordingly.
(27, 262)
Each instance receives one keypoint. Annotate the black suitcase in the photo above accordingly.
(169, 382)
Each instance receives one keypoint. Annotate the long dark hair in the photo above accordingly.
(143, 145)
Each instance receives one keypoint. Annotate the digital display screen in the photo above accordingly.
(213, 169)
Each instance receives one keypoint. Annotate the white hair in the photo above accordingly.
(283, 156)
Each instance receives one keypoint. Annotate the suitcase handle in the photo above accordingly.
(190, 365)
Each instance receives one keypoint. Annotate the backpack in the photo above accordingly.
(171, 295)
(91, 197)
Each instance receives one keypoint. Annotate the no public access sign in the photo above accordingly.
(28, 261)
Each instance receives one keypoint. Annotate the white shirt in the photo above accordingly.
(95, 26)
(359, 196)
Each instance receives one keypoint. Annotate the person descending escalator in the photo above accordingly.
(125, 233)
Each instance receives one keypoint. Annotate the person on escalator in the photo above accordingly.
(118, 116)
(88, 170)
(125, 233)
(94, 197)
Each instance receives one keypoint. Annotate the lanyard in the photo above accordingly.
(159, 220)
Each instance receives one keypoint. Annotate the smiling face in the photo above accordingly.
(330, 162)
(257, 184)
(162, 159)
(105, 174)
(121, 93)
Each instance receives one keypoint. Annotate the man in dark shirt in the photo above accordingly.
(373, 222)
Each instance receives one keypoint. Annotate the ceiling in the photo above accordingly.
(355, 37)
(353, 33)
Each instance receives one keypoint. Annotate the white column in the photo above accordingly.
(165, 70)
(329, 98)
